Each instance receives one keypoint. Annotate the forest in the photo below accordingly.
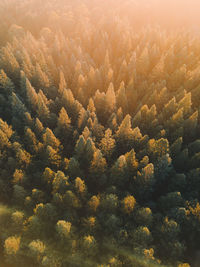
(99, 134)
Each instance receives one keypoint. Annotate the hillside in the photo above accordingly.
(99, 134)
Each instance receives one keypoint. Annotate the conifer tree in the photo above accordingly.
(63, 124)
(62, 83)
(107, 144)
(6, 85)
(50, 139)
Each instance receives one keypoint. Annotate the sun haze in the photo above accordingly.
(99, 133)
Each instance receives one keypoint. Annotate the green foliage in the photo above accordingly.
(12, 245)
(128, 204)
(99, 135)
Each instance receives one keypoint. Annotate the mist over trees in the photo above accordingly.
(99, 134)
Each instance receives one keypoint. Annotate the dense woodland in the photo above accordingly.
(99, 136)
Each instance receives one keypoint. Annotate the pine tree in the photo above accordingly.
(190, 126)
(40, 79)
(31, 141)
(82, 119)
(74, 168)
(119, 172)
(42, 110)
(80, 147)
(124, 135)
(38, 127)
(107, 144)
(18, 112)
(6, 85)
(143, 62)
(132, 163)
(31, 95)
(97, 170)
(89, 151)
(80, 185)
(144, 182)
(121, 97)
(52, 157)
(62, 83)
(63, 125)
(186, 104)
(9, 63)
(60, 183)
(110, 99)
(93, 203)
(49, 139)
(91, 108)
(128, 204)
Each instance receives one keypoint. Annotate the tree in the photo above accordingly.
(31, 94)
(37, 249)
(74, 168)
(38, 127)
(64, 123)
(52, 157)
(71, 201)
(60, 183)
(110, 100)
(48, 176)
(158, 148)
(175, 147)
(107, 144)
(144, 217)
(4, 141)
(17, 221)
(170, 108)
(19, 194)
(12, 247)
(110, 203)
(93, 203)
(98, 169)
(80, 185)
(18, 177)
(144, 181)
(141, 236)
(132, 163)
(190, 126)
(71, 105)
(9, 63)
(143, 62)
(40, 79)
(89, 245)
(49, 139)
(7, 129)
(173, 199)
(37, 196)
(128, 204)
(17, 108)
(80, 147)
(63, 229)
(46, 213)
(125, 135)
(31, 141)
(186, 104)
(91, 108)
(62, 83)
(6, 85)
(121, 97)
(42, 109)
(89, 152)
(169, 233)
(83, 118)
(23, 157)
